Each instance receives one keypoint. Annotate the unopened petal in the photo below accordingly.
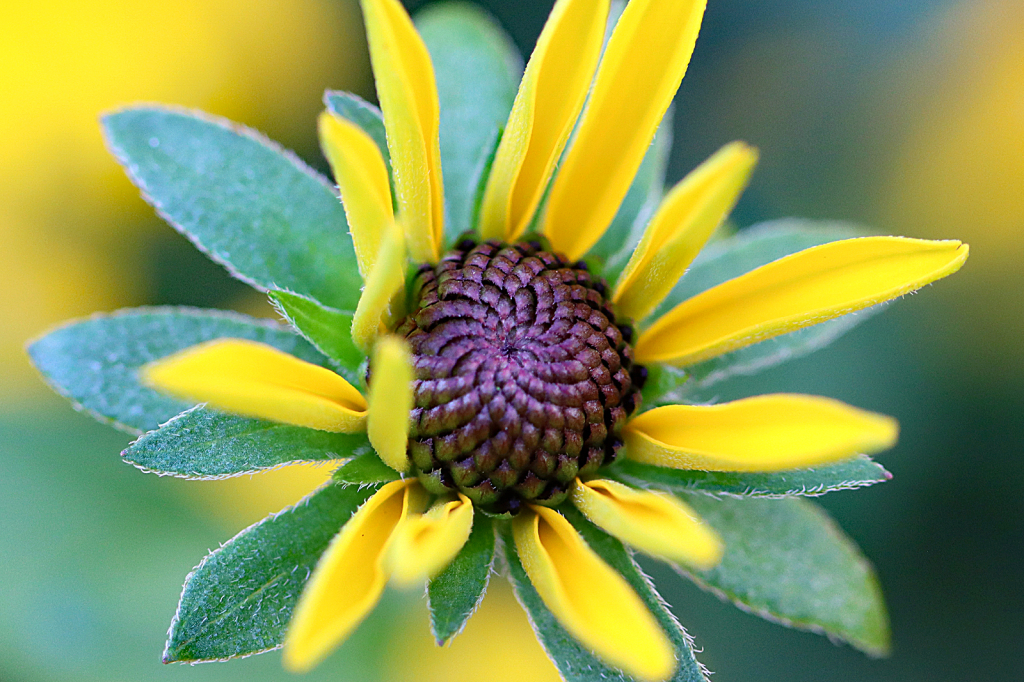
(390, 400)
(549, 100)
(426, 543)
(253, 379)
(589, 598)
(677, 232)
(407, 92)
(655, 523)
(350, 576)
(363, 182)
(808, 287)
(641, 69)
(764, 433)
(382, 291)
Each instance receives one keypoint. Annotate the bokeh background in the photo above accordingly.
(906, 116)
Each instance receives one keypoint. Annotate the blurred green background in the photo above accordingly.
(906, 116)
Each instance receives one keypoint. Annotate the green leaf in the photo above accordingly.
(617, 244)
(455, 593)
(201, 443)
(368, 117)
(749, 249)
(253, 207)
(478, 70)
(574, 662)
(665, 385)
(365, 469)
(94, 362)
(482, 174)
(857, 472)
(239, 600)
(328, 329)
(787, 561)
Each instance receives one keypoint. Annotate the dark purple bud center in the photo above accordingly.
(523, 378)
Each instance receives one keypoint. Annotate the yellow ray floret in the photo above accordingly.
(653, 522)
(256, 380)
(408, 99)
(426, 543)
(350, 576)
(806, 288)
(680, 228)
(390, 400)
(640, 72)
(362, 180)
(383, 290)
(550, 97)
(764, 433)
(589, 598)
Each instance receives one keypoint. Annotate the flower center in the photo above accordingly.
(523, 377)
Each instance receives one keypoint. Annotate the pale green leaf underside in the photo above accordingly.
(787, 561)
(365, 469)
(239, 600)
(94, 362)
(857, 472)
(244, 201)
(328, 329)
(478, 70)
(575, 663)
(456, 592)
(201, 443)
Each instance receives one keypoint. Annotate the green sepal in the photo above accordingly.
(665, 385)
(239, 600)
(639, 205)
(365, 115)
(739, 254)
(483, 174)
(455, 593)
(857, 472)
(201, 443)
(478, 69)
(328, 329)
(95, 362)
(787, 561)
(251, 206)
(575, 662)
(365, 469)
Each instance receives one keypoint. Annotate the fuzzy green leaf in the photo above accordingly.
(239, 600)
(857, 472)
(573, 661)
(94, 362)
(749, 249)
(478, 70)
(201, 443)
(365, 115)
(253, 207)
(328, 329)
(787, 561)
(456, 592)
(365, 469)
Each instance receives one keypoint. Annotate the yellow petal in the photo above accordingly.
(808, 287)
(589, 598)
(549, 100)
(390, 400)
(350, 576)
(640, 72)
(383, 290)
(362, 179)
(678, 231)
(764, 433)
(408, 99)
(426, 543)
(256, 380)
(653, 522)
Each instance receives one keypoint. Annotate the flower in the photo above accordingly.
(505, 377)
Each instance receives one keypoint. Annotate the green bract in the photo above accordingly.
(276, 224)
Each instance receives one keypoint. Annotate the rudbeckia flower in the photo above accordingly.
(515, 380)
